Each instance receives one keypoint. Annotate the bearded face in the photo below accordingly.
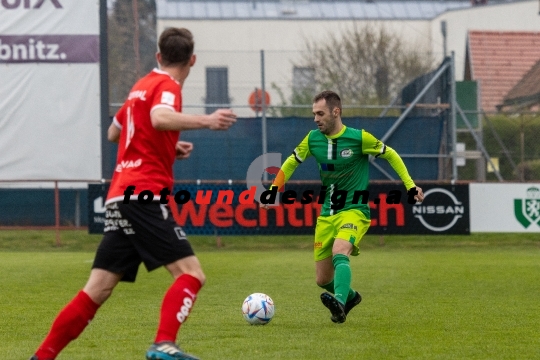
(325, 118)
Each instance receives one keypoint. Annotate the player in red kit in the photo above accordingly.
(146, 128)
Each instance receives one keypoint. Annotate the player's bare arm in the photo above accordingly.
(113, 133)
(166, 119)
(183, 149)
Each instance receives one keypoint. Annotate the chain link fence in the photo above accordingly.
(512, 142)
(235, 79)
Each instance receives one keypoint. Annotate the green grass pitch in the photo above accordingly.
(471, 297)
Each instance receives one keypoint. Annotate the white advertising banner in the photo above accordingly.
(49, 90)
(505, 207)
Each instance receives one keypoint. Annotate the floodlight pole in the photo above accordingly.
(263, 118)
(453, 107)
(106, 163)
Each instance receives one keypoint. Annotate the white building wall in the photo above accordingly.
(236, 44)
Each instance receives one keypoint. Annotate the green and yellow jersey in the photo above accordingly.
(343, 164)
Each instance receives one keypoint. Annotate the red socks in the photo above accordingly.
(176, 306)
(68, 325)
(78, 313)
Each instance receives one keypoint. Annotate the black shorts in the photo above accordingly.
(136, 233)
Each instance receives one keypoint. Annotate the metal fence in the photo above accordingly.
(491, 147)
(511, 141)
(44, 203)
(473, 145)
(266, 84)
(290, 78)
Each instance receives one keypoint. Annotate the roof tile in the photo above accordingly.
(528, 87)
(498, 61)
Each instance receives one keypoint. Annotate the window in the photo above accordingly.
(217, 88)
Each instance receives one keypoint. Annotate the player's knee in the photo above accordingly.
(198, 274)
(105, 294)
(342, 247)
(98, 295)
(201, 277)
(100, 285)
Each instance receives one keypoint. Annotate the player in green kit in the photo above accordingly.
(342, 157)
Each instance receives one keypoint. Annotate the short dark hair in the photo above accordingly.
(176, 46)
(332, 99)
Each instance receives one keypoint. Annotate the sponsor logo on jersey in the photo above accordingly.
(140, 94)
(318, 245)
(167, 98)
(128, 165)
(349, 226)
(180, 233)
(346, 153)
(527, 211)
(185, 309)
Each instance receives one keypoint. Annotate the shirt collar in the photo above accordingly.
(338, 134)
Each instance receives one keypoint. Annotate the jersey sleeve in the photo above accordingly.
(298, 156)
(373, 146)
(120, 117)
(166, 95)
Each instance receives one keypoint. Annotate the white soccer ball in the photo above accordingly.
(258, 309)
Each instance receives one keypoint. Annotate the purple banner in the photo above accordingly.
(49, 48)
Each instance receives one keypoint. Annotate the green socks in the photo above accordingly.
(342, 278)
(329, 287)
(352, 293)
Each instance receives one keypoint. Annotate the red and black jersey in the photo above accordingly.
(145, 155)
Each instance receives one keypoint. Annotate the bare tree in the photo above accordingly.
(365, 65)
(130, 58)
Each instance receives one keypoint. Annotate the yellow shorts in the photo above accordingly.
(349, 225)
